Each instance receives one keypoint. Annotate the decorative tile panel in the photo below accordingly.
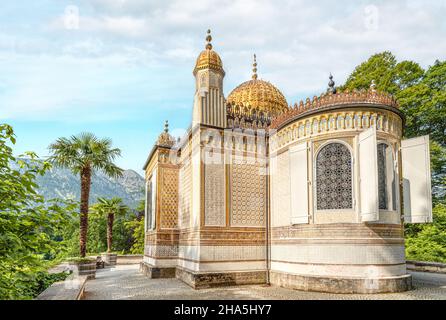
(214, 198)
(185, 194)
(248, 195)
(169, 198)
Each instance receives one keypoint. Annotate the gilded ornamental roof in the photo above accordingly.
(259, 94)
(165, 139)
(208, 58)
(330, 100)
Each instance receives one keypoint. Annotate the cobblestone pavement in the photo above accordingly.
(125, 282)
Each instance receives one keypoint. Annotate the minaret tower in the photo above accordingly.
(209, 103)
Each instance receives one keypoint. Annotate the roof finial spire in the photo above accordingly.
(331, 85)
(166, 126)
(373, 86)
(254, 68)
(208, 40)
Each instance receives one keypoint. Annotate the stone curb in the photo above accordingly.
(421, 266)
(70, 289)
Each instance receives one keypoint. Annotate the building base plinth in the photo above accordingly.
(341, 285)
(156, 272)
(202, 280)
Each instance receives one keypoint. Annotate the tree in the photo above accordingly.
(123, 238)
(428, 242)
(84, 154)
(136, 226)
(110, 208)
(389, 75)
(27, 223)
(422, 97)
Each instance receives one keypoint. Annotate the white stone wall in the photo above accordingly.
(222, 258)
(187, 255)
(338, 259)
(280, 190)
(347, 271)
(196, 176)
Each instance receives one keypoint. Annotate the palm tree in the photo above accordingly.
(84, 154)
(110, 208)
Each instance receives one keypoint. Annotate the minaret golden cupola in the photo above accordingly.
(208, 58)
(259, 94)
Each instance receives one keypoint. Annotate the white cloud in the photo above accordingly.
(297, 43)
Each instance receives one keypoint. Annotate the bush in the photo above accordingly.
(39, 282)
(137, 228)
(44, 280)
(428, 242)
(80, 260)
(29, 225)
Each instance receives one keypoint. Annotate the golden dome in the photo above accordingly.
(208, 58)
(259, 94)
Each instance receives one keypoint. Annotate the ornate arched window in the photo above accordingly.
(203, 80)
(151, 201)
(301, 130)
(148, 205)
(315, 126)
(324, 124)
(386, 178)
(334, 178)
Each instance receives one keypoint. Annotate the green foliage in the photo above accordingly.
(36, 234)
(97, 235)
(428, 242)
(424, 105)
(122, 236)
(41, 281)
(389, 75)
(29, 227)
(110, 206)
(136, 227)
(109, 209)
(85, 150)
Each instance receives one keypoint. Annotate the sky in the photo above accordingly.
(120, 68)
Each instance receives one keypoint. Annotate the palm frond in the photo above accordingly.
(86, 150)
(110, 206)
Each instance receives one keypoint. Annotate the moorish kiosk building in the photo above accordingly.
(311, 197)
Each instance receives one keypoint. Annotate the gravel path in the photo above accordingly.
(125, 282)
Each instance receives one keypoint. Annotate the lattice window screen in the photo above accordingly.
(334, 178)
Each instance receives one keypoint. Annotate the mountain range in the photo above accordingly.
(62, 183)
